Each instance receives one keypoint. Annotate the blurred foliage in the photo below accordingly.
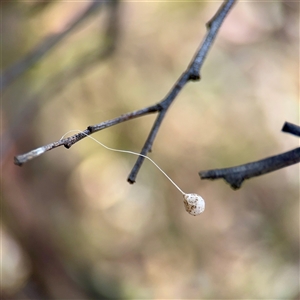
(73, 228)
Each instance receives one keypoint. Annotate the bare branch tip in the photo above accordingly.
(131, 181)
(285, 127)
(291, 128)
(17, 162)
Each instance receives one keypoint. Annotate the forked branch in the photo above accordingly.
(191, 74)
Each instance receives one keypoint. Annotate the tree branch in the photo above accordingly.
(236, 175)
(291, 128)
(25, 63)
(57, 82)
(192, 73)
(68, 142)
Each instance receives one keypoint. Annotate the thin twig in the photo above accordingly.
(291, 128)
(192, 73)
(68, 142)
(57, 82)
(25, 63)
(236, 175)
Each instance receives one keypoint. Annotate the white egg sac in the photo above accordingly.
(194, 204)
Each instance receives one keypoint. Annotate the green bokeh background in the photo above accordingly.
(73, 228)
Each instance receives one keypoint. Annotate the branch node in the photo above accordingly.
(160, 107)
(90, 129)
(67, 145)
(235, 183)
(208, 25)
(194, 76)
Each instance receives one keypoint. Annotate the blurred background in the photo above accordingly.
(71, 225)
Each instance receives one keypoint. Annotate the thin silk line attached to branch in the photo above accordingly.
(126, 151)
(193, 203)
